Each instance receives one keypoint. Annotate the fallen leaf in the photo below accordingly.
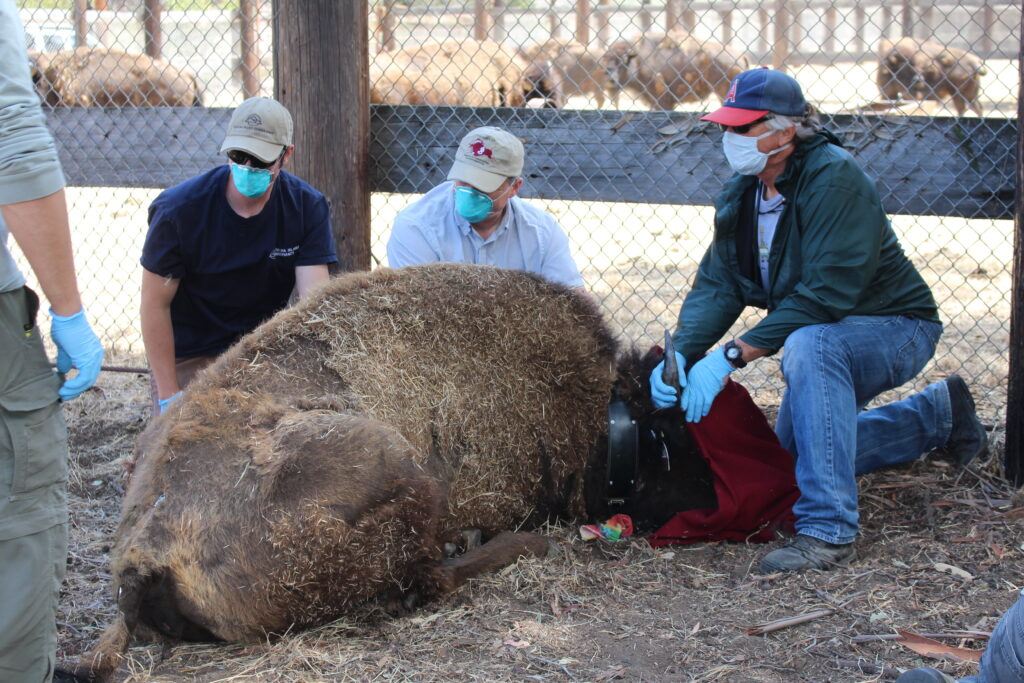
(998, 550)
(955, 571)
(556, 609)
(696, 627)
(926, 647)
(516, 643)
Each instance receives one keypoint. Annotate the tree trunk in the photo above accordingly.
(1014, 461)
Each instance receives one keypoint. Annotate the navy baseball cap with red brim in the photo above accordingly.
(756, 93)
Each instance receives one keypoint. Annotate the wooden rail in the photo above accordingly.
(923, 166)
(918, 18)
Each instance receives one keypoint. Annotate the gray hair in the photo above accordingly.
(807, 125)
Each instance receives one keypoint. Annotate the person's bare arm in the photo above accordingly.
(308, 278)
(40, 227)
(157, 333)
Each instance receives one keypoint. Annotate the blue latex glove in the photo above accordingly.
(165, 403)
(705, 381)
(662, 395)
(77, 347)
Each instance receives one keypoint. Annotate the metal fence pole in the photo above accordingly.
(326, 43)
(500, 20)
(907, 19)
(1014, 458)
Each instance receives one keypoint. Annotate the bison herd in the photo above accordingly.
(660, 70)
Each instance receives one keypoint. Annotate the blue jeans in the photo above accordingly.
(1004, 657)
(832, 371)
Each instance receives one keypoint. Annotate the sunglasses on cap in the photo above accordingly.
(745, 128)
(245, 159)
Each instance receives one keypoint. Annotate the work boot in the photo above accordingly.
(924, 675)
(804, 552)
(967, 438)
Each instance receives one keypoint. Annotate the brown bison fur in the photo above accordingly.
(324, 459)
(99, 77)
(928, 70)
(455, 73)
(665, 70)
(559, 69)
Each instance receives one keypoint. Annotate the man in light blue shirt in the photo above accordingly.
(478, 217)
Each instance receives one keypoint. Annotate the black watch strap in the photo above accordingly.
(734, 354)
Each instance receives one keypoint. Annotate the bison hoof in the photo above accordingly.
(410, 601)
(66, 676)
(554, 550)
(450, 550)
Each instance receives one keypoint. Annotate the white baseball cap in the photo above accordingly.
(260, 126)
(487, 157)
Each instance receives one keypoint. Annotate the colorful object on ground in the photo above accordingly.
(616, 528)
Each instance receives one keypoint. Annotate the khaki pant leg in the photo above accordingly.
(31, 570)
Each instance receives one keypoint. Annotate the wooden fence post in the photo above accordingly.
(500, 30)
(830, 29)
(326, 43)
(859, 26)
(988, 21)
(907, 19)
(583, 22)
(81, 23)
(386, 26)
(151, 10)
(671, 14)
(782, 26)
(645, 19)
(248, 16)
(481, 20)
(603, 19)
(1014, 457)
(727, 33)
(554, 21)
(688, 17)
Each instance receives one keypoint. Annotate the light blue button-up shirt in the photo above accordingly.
(430, 231)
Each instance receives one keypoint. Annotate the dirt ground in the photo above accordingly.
(601, 612)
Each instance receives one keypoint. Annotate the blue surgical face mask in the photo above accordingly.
(742, 153)
(472, 204)
(251, 182)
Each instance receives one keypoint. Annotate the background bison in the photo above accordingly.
(99, 77)
(666, 70)
(927, 70)
(327, 458)
(560, 69)
(469, 73)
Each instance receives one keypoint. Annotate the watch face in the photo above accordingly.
(734, 353)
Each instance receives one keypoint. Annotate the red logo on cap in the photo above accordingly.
(731, 95)
(480, 150)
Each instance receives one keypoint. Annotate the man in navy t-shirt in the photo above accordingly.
(225, 249)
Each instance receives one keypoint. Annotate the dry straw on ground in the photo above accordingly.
(603, 612)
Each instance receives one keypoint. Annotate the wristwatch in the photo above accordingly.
(734, 354)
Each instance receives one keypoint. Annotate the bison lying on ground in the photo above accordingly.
(456, 73)
(666, 70)
(560, 69)
(927, 70)
(98, 77)
(327, 458)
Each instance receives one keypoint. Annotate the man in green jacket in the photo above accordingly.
(800, 230)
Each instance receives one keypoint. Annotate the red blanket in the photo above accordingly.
(754, 480)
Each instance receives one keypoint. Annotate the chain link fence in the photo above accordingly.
(860, 62)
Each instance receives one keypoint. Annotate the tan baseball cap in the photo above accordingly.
(487, 157)
(260, 126)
